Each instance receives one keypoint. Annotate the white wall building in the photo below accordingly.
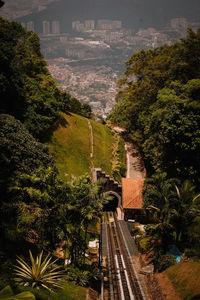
(55, 25)
(46, 27)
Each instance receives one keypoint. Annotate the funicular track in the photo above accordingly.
(122, 278)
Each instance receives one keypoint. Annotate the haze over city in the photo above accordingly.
(87, 43)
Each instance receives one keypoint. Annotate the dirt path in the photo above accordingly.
(91, 143)
(134, 162)
(135, 168)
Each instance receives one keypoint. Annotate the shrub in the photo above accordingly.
(76, 275)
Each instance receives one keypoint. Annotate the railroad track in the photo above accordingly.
(123, 282)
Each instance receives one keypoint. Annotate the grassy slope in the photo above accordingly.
(70, 146)
(70, 292)
(103, 143)
(186, 279)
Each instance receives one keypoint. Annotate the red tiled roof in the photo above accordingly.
(132, 193)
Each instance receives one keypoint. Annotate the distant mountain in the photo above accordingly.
(135, 14)
(18, 8)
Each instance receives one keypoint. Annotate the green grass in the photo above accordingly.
(103, 144)
(70, 147)
(122, 153)
(70, 292)
(185, 278)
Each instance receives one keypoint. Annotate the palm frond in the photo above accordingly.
(195, 198)
(40, 273)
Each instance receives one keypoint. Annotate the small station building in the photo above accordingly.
(132, 198)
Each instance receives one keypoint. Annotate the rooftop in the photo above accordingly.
(132, 193)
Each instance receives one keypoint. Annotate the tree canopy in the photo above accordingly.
(36, 208)
(158, 103)
(27, 90)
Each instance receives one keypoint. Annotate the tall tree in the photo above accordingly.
(27, 90)
(158, 103)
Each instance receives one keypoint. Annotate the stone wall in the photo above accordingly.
(110, 186)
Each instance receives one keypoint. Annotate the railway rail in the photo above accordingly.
(122, 280)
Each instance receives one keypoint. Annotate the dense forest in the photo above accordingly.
(27, 90)
(159, 104)
(37, 210)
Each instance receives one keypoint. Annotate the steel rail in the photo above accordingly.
(134, 280)
(123, 282)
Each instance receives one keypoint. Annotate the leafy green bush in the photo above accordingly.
(78, 276)
(83, 276)
(144, 243)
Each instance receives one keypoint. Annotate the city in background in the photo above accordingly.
(88, 57)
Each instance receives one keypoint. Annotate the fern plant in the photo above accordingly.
(40, 273)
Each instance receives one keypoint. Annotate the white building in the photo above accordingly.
(77, 26)
(46, 27)
(55, 27)
(89, 25)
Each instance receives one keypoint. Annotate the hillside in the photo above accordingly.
(185, 278)
(19, 8)
(70, 146)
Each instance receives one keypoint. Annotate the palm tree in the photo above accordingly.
(40, 273)
(88, 203)
(186, 194)
(172, 208)
(160, 200)
(187, 207)
(159, 191)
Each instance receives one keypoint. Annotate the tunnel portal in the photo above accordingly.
(113, 203)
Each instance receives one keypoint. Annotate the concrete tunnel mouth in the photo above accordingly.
(113, 203)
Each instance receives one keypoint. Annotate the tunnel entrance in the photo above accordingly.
(113, 203)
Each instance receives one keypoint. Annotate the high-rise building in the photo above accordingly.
(89, 24)
(109, 24)
(30, 26)
(116, 24)
(55, 27)
(75, 25)
(81, 27)
(78, 26)
(46, 27)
